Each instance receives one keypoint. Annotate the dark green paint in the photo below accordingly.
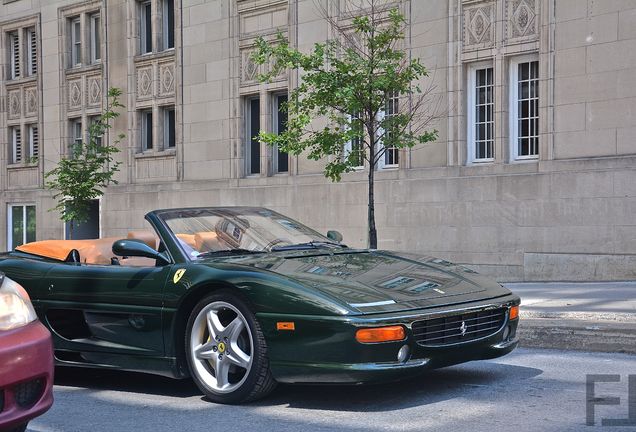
(136, 315)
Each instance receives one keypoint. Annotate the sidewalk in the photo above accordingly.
(589, 316)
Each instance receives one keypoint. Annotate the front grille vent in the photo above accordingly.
(28, 393)
(453, 329)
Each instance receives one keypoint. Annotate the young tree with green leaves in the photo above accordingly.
(344, 109)
(87, 169)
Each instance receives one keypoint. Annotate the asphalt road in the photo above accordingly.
(529, 390)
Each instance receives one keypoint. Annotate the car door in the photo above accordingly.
(106, 308)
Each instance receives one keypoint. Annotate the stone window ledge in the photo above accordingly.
(93, 67)
(170, 153)
(21, 81)
(22, 166)
(149, 57)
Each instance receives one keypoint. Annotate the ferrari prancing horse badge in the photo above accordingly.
(177, 275)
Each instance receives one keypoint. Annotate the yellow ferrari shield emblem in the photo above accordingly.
(177, 275)
(221, 347)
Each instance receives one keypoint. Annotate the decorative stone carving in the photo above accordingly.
(31, 102)
(166, 79)
(521, 20)
(249, 69)
(75, 96)
(144, 82)
(94, 91)
(479, 25)
(14, 98)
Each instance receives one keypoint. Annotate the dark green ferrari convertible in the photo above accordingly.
(241, 298)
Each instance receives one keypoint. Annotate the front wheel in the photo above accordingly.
(226, 350)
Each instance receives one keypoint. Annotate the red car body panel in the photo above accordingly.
(26, 355)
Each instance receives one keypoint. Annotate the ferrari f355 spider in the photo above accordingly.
(240, 298)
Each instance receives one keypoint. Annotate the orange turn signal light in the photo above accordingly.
(289, 325)
(514, 313)
(381, 334)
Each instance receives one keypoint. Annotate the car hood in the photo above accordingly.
(378, 281)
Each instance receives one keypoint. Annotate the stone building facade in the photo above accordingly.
(533, 176)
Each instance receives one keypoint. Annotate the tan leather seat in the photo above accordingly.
(187, 239)
(208, 241)
(145, 236)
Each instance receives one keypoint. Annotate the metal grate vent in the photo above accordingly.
(28, 393)
(459, 328)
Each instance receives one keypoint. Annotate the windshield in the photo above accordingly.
(212, 231)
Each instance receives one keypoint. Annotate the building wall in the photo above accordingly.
(563, 214)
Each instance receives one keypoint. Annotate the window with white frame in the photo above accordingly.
(145, 130)
(94, 127)
(75, 134)
(280, 158)
(145, 27)
(20, 225)
(15, 138)
(390, 159)
(76, 41)
(34, 141)
(169, 127)
(168, 24)
(354, 148)
(95, 38)
(32, 51)
(481, 114)
(524, 108)
(252, 128)
(14, 55)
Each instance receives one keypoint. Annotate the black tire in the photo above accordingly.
(257, 382)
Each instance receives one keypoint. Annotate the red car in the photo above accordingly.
(26, 359)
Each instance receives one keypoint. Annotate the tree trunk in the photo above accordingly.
(70, 230)
(373, 234)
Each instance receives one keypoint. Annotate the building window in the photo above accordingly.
(75, 135)
(32, 52)
(390, 159)
(14, 55)
(168, 24)
(481, 115)
(253, 127)
(281, 159)
(354, 149)
(20, 225)
(145, 31)
(524, 109)
(96, 38)
(15, 137)
(76, 42)
(34, 141)
(146, 130)
(94, 128)
(169, 128)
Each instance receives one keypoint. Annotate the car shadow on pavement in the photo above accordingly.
(428, 388)
(132, 382)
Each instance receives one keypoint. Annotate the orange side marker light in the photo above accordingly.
(285, 325)
(514, 313)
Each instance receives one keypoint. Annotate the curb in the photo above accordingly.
(563, 331)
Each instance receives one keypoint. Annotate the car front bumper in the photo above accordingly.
(324, 349)
(26, 374)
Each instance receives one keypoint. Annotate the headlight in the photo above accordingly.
(16, 309)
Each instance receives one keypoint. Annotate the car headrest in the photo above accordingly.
(145, 236)
(207, 241)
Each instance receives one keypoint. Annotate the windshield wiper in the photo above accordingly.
(237, 251)
(308, 245)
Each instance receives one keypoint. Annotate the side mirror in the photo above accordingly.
(136, 248)
(334, 236)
